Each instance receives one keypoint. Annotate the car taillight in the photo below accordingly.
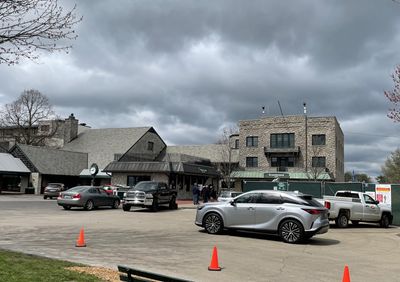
(76, 196)
(327, 205)
(313, 211)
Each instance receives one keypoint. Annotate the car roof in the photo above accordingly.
(291, 193)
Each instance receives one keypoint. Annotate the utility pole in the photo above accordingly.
(306, 133)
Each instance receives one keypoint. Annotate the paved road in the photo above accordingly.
(168, 242)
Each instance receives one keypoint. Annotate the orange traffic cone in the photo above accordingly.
(214, 261)
(346, 274)
(81, 239)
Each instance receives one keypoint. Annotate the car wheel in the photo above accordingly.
(126, 207)
(213, 223)
(67, 207)
(172, 204)
(45, 197)
(385, 221)
(115, 204)
(342, 221)
(291, 231)
(154, 206)
(89, 205)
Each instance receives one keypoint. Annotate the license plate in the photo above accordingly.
(67, 197)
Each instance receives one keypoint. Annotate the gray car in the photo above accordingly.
(293, 216)
(52, 190)
(88, 197)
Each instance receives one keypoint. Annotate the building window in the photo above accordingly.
(237, 144)
(282, 162)
(252, 141)
(318, 162)
(282, 140)
(44, 128)
(150, 146)
(251, 162)
(318, 139)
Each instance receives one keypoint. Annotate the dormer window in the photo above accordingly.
(150, 146)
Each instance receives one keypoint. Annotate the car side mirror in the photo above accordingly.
(376, 202)
(233, 203)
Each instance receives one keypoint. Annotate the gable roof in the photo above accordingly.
(216, 153)
(102, 145)
(50, 161)
(8, 163)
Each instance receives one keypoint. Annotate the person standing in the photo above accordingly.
(196, 194)
(206, 193)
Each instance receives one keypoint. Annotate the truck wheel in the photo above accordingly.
(154, 206)
(172, 204)
(291, 231)
(126, 207)
(342, 221)
(385, 221)
(213, 223)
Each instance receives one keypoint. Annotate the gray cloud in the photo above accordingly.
(190, 67)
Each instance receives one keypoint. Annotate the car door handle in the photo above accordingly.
(250, 209)
(280, 208)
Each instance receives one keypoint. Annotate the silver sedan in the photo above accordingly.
(293, 216)
(88, 197)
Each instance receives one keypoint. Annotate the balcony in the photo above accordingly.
(292, 151)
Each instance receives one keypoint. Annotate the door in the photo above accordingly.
(371, 209)
(242, 213)
(269, 209)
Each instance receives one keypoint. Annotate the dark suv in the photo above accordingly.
(150, 194)
(53, 190)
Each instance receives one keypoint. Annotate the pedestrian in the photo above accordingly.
(206, 193)
(213, 193)
(196, 194)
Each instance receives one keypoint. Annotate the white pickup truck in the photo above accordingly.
(356, 206)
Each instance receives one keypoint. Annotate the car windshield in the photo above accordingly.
(54, 185)
(145, 186)
(77, 189)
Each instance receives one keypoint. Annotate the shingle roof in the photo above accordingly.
(10, 164)
(216, 153)
(54, 161)
(102, 144)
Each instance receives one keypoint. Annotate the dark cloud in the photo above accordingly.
(189, 68)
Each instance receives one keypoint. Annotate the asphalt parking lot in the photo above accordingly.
(168, 242)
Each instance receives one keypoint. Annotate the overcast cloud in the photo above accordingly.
(190, 68)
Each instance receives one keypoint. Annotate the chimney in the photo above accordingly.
(71, 129)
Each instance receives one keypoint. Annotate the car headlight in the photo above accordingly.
(125, 195)
(149, 196)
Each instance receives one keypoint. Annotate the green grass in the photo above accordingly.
(16, 267)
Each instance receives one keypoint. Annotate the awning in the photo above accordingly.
(86, 174)
(9, 164)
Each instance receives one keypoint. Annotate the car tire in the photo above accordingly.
(291, 231)
(213, 223)
(67, 207)
(342, 221)
(126, 207)
(45, 197)
(115, 204)
(385, 222)
(154, 206)
(89, 205)
(172, 204)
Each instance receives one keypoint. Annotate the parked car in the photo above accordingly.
(52, 190)
(150, 194)
(110, 189)
(356, 206)
(88, 197)
(293, 216)
(227, 195)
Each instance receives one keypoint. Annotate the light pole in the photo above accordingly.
(306, 138)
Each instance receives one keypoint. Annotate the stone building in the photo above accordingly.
(291, 147)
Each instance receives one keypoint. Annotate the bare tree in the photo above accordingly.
(27, 26)
(316, 169)
(23, 116)
(394, 96)
(226, 166)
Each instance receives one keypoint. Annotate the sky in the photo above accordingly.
(191, 68)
